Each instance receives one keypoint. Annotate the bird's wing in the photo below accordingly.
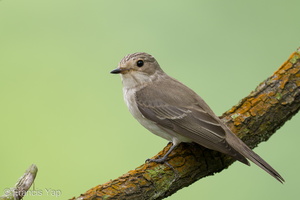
(179, 109)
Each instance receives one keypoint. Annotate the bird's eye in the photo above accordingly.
(140, 63)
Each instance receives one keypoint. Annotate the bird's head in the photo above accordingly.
(137, 63)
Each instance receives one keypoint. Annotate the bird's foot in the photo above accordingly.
(158, 160)
(163, 160)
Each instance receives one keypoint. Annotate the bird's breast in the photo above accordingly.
(129, 97)
(130, 100)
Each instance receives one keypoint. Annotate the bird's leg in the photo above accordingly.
(164, 158)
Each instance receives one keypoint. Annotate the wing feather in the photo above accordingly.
(185, 116)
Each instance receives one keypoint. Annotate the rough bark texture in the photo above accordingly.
(254, 120)
(22, 186)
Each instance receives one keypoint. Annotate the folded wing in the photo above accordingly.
(184, 115)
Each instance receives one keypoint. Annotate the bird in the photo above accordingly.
(173, 111)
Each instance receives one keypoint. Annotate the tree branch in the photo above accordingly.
(22, 186)
(254, 119)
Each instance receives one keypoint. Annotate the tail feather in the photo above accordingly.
(251, 155)
(244, 150)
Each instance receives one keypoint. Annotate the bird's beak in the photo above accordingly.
(116, 71)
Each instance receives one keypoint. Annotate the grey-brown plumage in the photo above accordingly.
(173, 111)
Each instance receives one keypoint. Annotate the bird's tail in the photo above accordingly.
(243, 149)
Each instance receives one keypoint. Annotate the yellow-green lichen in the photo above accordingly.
(235, 115)
(294, 59)
(278, 96)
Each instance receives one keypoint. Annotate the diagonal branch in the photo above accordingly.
(254, 120)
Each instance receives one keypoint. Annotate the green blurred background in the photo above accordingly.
(62, 110)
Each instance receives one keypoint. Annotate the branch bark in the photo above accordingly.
(22, 186)
(254, 119)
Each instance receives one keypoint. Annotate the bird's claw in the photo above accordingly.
(163, 160)
(158, 160)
